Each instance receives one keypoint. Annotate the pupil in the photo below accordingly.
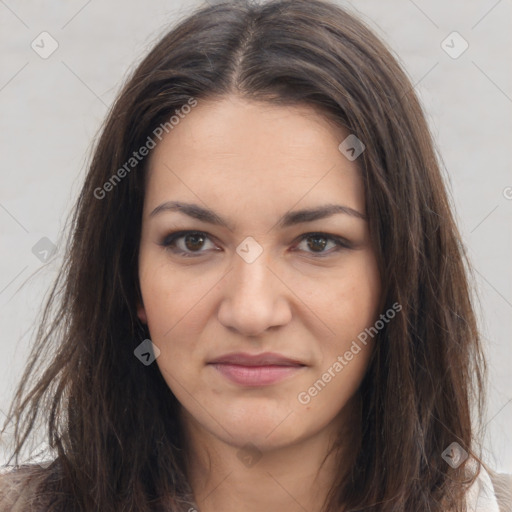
(322, 245)
(197, 243)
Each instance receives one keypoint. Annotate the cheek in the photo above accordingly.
(360, 296)
(349, 301)
(350, 308)
(177, 310)
(171, 298)
(173, 309)
(346, 353)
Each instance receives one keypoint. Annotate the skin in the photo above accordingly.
(251, 163)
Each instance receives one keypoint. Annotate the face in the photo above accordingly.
(256, 308)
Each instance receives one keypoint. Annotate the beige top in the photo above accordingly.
(491, 492)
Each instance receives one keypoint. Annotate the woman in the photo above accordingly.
(265, 303)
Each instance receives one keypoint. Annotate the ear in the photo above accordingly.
(141, 313)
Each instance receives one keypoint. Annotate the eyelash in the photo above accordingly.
(169, 241)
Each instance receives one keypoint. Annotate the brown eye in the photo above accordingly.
(194, 241)
(317, 242)
(186, 243)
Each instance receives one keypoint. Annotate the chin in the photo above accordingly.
(257, 435)
(266, 426)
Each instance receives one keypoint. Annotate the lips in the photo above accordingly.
(256, 370)
(265, 359)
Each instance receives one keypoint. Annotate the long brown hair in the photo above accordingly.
(113, 421)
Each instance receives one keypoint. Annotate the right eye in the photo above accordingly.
(185, 243)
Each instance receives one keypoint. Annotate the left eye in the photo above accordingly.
(319, 241)
(193, 242)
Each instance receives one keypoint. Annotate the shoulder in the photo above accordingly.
(502, 485)
(17, 487)
(490, 492)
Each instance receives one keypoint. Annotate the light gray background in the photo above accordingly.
(51, 109)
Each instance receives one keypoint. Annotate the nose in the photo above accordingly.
(254, 298)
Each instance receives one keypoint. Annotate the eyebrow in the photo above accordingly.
(289, 219)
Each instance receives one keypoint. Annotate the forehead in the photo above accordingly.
(254, 150)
